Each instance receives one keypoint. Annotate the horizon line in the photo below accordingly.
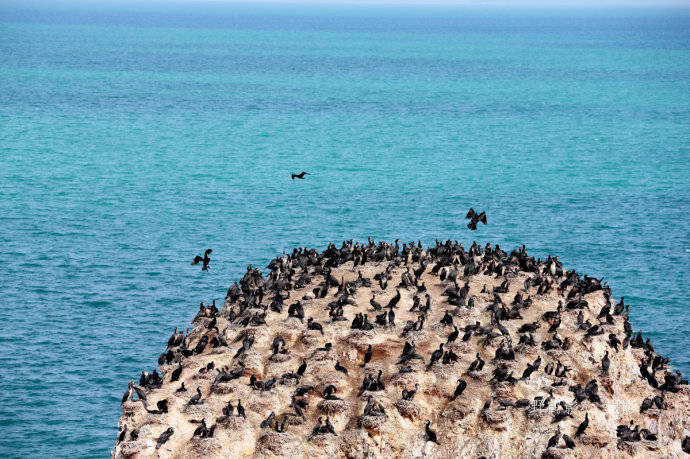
(432, 4)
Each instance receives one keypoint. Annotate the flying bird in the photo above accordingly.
(205, 260)
(475, 218)
(300, 175)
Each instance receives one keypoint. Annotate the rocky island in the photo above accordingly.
(396, 350)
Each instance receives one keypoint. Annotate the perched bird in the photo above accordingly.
(317, 429)
(205, 260)
(531, 368)
(300, 175)
(328, 427)
(614, 342)
(435, 356)
(553, 441)
(196, 398)
(340, 368)
(129, 392)
(375, 304)
(164, 437)
(175, 339)
(453, 335)
(161, 405)
(647, 403)
(140, 392)
(302, 368)
(462, 384)
(409, 394)
(569, 443)
(312, 325)
(367, 356)
(228, 410)
(201, 430)
(430, 434)
(394, 300)
(122, 434)
(477, 364)
(606, 363)
(269, 421)
(583, 426)
(175, 375)
(466, 337)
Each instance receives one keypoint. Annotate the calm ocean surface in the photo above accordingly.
(131, 142)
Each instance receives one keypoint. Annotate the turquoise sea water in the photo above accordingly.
(131, 142)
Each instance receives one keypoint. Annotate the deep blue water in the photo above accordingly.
(131, 142)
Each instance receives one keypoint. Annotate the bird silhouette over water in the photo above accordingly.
(205, 260)
(300, 175)
(475, 218)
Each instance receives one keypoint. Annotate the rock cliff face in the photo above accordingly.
(556, 350)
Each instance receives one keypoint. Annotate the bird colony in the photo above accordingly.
(396, 350)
